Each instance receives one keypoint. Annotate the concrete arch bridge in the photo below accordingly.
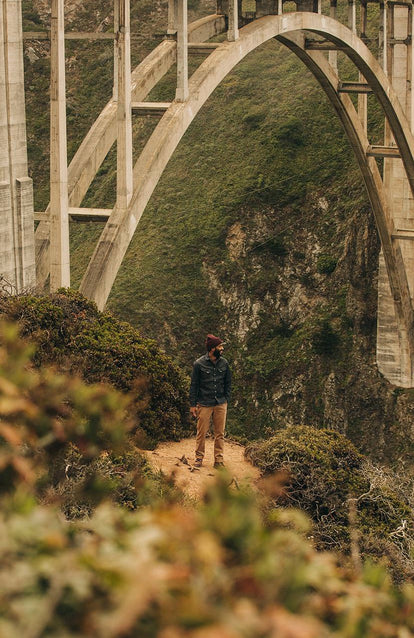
(315, 32)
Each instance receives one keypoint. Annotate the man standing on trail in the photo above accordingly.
(209, 395)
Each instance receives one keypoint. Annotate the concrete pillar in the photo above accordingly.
(363, 20)
(172, 10)
(182, 51)
(17, 260)
(410, 70)
(233, 31)
(59, 218)
(352, 15)
(333, 55)
(393, 356)
(116, 31)
(382, 37)
(124, 112)
(7, 257)
(363, 98)
(220, 7)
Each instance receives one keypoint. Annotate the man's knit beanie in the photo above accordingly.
(212, 342)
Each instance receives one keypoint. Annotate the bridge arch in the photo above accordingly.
(289, 29)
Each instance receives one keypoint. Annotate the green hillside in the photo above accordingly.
(260, 230)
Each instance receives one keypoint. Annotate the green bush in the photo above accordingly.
(291, 133)
(326, 477)
(254, 118)
(326, 264)
(71, 333)
(324, 339)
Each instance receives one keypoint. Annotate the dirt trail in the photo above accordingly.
(170, 457)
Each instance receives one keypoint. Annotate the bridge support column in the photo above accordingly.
(124, 165)
(182, 51)
(172, 18)
(363, 98)
(233, 32)
(333, 55)
(59, 218)
(16, 193)
(393, 355)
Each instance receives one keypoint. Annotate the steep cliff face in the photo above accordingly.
(260, 230)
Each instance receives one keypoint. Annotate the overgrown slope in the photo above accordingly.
(260, 230)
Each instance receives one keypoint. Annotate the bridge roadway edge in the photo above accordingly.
(119, 230)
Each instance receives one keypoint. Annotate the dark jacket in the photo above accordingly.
(210, 382)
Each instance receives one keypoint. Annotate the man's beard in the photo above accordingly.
(217, 353)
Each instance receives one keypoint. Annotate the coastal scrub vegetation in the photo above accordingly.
(230, 566)
(354, 505)
(71, 333)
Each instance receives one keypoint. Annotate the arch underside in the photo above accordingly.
(291, 29)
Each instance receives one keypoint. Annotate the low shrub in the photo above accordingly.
(326, 264)
(254, 118)
(71, 333)
(291, 133)
(328, 478)
(324, 339)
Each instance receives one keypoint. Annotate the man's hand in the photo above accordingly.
(194, 412)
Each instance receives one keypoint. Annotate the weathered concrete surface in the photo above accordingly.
(181, 93)
(16, 193)
(102, 134)
(118, 232)
(124, 184)
(59, 218)
(394, 360)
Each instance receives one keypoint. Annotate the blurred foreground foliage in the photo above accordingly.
(230, 567)
(72, 334)
(65, 441)
(175, 572)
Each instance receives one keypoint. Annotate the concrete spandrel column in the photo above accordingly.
(233, 31)
(363, 98)
(24, 191)
(4, 134)
(116, 29)
(124, 113)
(172, 8)
(352, 15)
(182, 51)
(17, 261)
(333, 55)
(59, 218)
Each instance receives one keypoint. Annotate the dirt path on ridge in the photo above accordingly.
(171, 456)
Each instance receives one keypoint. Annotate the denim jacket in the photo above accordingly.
(210, 382)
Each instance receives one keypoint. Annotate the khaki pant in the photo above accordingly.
(216, 413)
